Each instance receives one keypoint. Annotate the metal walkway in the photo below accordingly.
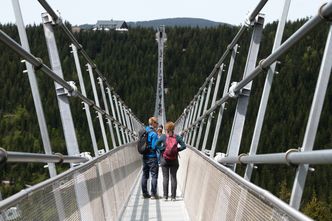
(139, 208)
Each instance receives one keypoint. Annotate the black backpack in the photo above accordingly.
(142, 144)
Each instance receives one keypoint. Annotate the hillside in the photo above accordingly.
(169, 22)
(177, 22)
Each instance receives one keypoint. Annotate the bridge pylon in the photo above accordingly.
(160, 104)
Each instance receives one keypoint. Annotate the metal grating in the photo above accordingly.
(211, 192)
(95, 191)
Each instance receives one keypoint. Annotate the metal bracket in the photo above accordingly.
(70, 93)
(260, 65)
(286, 156)
(245, 92)
(47, 18)
(60, 156)
(231, 91)
(40, 65)
(239, 157)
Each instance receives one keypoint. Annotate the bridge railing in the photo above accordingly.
(216, 193)
(197, 118)
(122, 123)
(77, 192)
(96, 190)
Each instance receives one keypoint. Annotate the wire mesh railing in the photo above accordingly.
(100, 185)
(216, 193)
(103, 185)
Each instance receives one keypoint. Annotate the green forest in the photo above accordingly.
(129, 62)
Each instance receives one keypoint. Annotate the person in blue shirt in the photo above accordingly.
(150, 161)
(169, 145)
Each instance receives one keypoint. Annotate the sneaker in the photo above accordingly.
(173, 199)
(155, 197)
(146, 195)
(165, 198)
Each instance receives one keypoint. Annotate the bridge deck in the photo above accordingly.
(139, 208)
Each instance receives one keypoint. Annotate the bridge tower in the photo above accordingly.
(160, 104)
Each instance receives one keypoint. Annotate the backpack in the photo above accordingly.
(142, 144)
(171, 149)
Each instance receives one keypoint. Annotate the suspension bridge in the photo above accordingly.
(107, 185)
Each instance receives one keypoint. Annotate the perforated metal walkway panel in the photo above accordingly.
(139, 208)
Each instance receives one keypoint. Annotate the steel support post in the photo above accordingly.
(222, 107)
(243, 99)
(266, 90)
(200, 102)
(86, 106)
(214, 98)
(179, 124)
(110, 98)
(182, 125)
(109, 122)
(100, 116)
(124, 122)
(196, 108)
(201, 125)
(125, 113)
(131, 123)
(34, 86)
(188, 123)
(186, 118)
(312, 124)
(119, 118)
(202, 99)
(66, 116)
(159, 112)
(127, 122)
(193, 120)
(192, 130)
(63, 102)
(192, 107)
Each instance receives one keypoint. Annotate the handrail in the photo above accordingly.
(265, 195)
(79, 47)
(11, 201)
(326, 11)
(23, 157)
(38, 64)
(235, 40)
(290, 157)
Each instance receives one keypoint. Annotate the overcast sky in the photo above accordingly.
(89, 11)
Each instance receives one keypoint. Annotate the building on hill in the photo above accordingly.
(76, 29)
(107, 25)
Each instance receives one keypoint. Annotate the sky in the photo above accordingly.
(87, 11)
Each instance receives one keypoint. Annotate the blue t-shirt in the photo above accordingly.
(152, 140)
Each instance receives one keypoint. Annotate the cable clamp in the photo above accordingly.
(73, 91)
(320, 13)
(260, 65)
(40, 65)
(60, 156)
(239, 157)
(231, 91)
(286, 156)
